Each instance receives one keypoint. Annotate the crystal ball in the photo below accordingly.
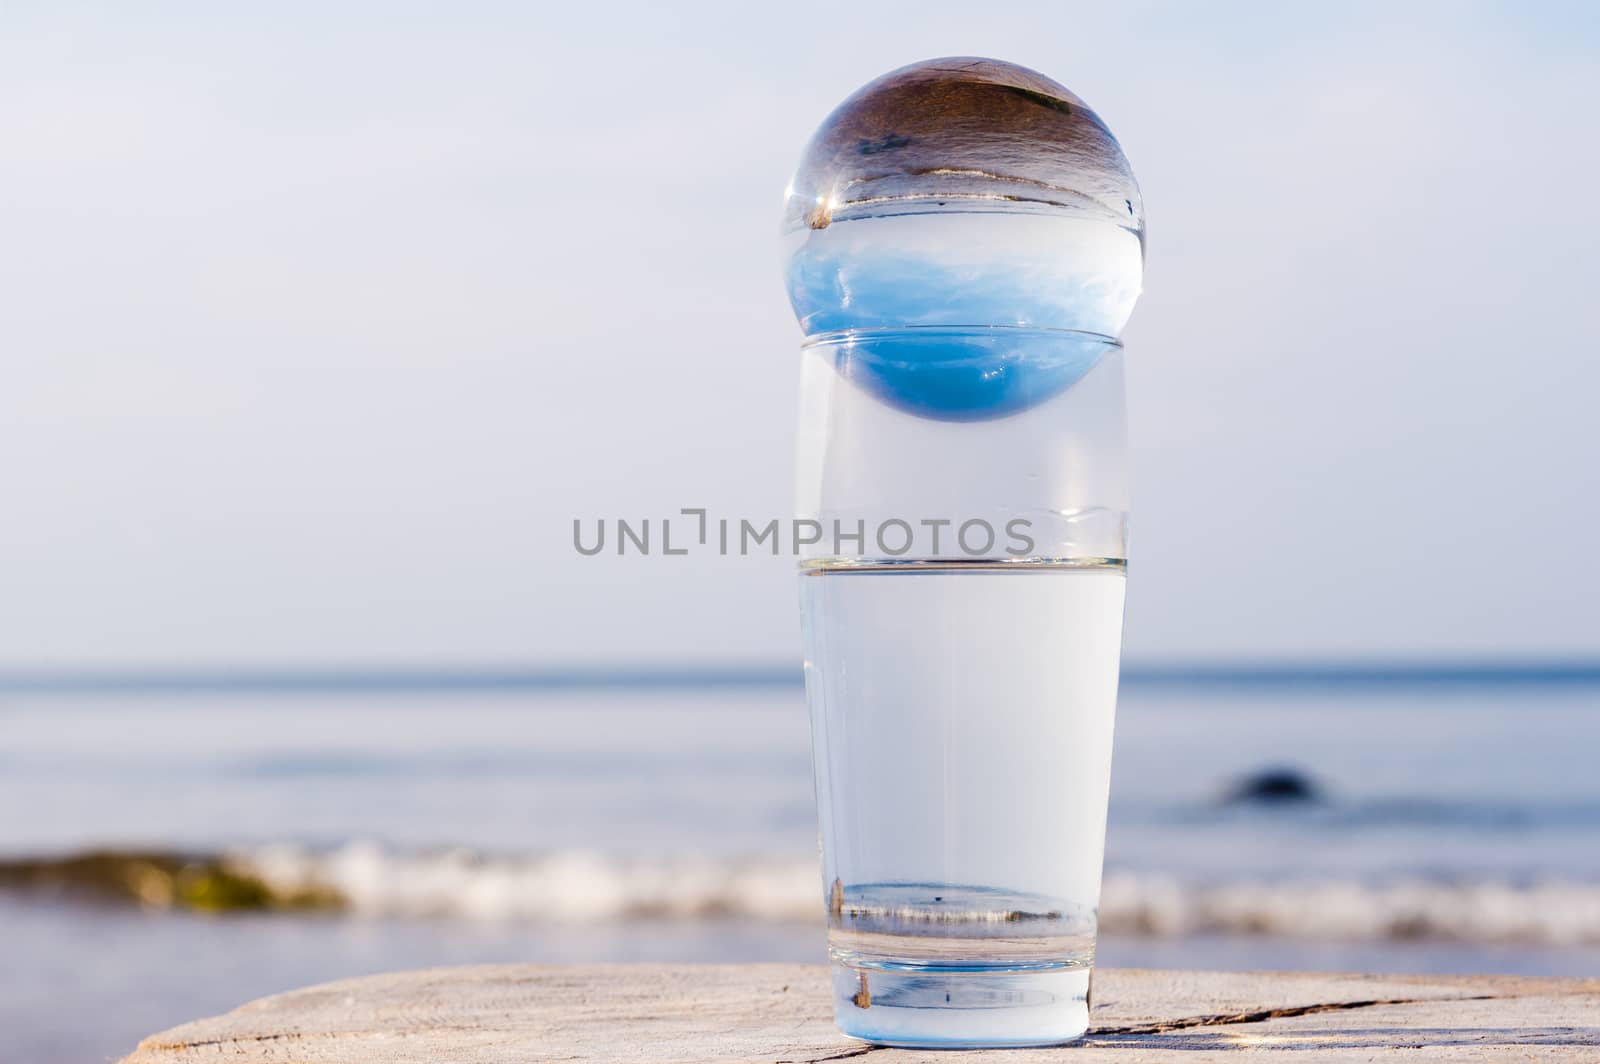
(961, 237)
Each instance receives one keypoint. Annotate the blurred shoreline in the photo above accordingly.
(364, 880)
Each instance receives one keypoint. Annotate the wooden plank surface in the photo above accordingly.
(780, 1014)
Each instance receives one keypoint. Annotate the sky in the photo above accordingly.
(320, 328)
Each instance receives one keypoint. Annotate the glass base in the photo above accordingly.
(962, 1008)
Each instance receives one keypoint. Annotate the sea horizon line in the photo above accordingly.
(374, 679)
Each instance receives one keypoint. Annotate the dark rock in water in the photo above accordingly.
(1274, 786)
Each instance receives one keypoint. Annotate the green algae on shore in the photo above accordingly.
(200, 883)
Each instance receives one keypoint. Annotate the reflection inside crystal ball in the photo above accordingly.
(955, 218)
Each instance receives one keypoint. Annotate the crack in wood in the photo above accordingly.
(1261, 1015)
(201, 1043)
(858, 1051)
(284, 1036)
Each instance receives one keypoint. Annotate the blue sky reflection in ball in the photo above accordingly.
(953, 231)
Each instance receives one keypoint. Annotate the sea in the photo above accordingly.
(1395, 819)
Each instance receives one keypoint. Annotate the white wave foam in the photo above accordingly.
(582, 886)
(1550, 913)
(565, 886)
